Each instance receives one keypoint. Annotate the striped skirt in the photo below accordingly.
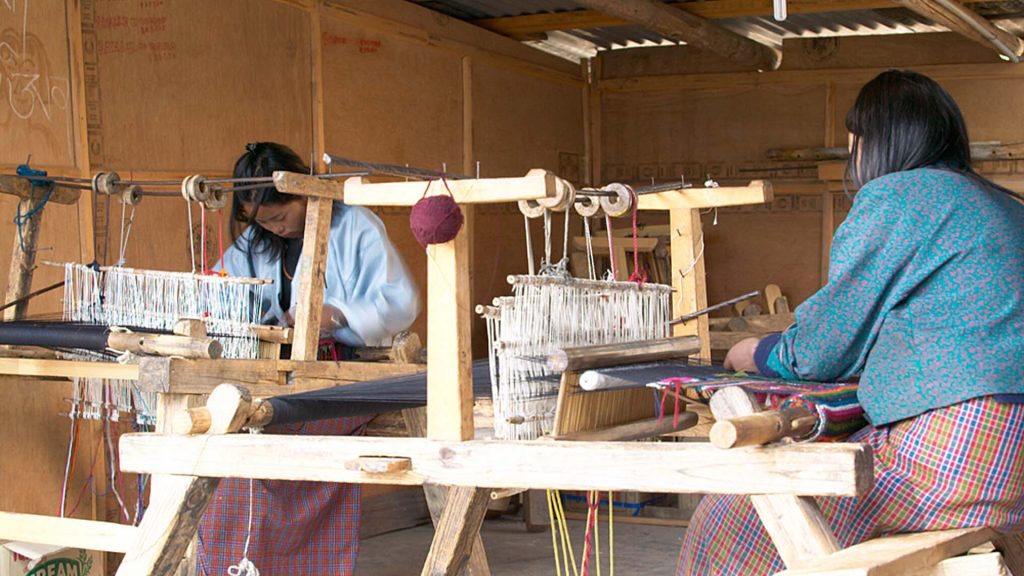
(296, 528)
(953, 467)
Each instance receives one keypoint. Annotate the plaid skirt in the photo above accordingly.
(296, 528)
(954, 467)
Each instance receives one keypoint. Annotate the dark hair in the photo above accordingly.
(262, 159)
(903, 120)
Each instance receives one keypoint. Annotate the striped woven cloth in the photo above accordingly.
(954, 467)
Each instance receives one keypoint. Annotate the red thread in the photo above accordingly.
(639, 276)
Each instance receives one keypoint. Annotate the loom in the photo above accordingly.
(189, 470)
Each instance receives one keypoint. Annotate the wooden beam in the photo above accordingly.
(21, 188)
(536, 184)
(897, 555)
(694, 30)
(968, 23)
(67, 369)
(840, 469)
(311, 186)
(530, 25)
(67, 532)
(757, 192)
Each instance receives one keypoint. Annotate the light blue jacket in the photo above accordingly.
(366, 278)
(925, 298)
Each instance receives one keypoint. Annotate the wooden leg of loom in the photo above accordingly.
(457, 533)
(437, 497)
(535, 510)
(23, 259)
(795, 523)
(169, 526)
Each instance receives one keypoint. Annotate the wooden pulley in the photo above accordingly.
(565, 195)
(131, 195)
(621, 203)
(194, 189)
(531, 209)
(105, 183)
(587, 206)
(216, 199)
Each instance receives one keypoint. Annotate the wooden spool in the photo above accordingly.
(131, 195)
(587, 206)
(621, 203)
(106, 183)
(165, 345)
(217, 198)
(530, 208)
(194, 189)
(565, 196)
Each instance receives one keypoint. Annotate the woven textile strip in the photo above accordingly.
(839, 413)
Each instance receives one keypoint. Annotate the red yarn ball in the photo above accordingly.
(435, 220)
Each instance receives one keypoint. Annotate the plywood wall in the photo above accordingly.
(162, 89)
(666, 112)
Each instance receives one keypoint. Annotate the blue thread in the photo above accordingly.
(31, 175)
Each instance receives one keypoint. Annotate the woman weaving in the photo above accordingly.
(305, 527)
(925, 303)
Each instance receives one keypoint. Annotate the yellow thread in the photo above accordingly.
(554, 541)
(611, 536)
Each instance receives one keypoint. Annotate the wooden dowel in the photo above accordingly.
(275, 334)
(763, 427)
(228, 409)
(649, 428)
(165, 345)
(587, 357)
(500, 493)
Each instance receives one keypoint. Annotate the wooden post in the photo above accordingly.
(311, 269)
(449, 343)
(688, 283)
(23, 259)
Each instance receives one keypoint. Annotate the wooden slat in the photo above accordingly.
(67, 369)
(67, 532)
(991, 564)
(814, 469)
(536, 184)
(696, 31)
(896, 555)
(757, 192)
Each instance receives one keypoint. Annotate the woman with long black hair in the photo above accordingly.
(925, 304)
(304, 527)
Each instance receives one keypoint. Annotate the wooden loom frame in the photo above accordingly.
(178, 504)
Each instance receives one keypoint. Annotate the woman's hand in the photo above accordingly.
(331, 319)
(740, 357)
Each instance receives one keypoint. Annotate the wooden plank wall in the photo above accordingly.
(670, 111)
(155, 88)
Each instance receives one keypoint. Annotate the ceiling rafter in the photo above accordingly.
(694, 30)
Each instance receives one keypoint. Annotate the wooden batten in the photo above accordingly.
(535, 185)
(21, 188)
(311, 186)
(839, 469)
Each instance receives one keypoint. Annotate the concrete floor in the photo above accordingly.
(640, 550)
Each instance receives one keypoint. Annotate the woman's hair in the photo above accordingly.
(903, 120)
(262, 159)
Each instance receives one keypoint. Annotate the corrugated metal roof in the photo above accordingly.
(583, 43)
